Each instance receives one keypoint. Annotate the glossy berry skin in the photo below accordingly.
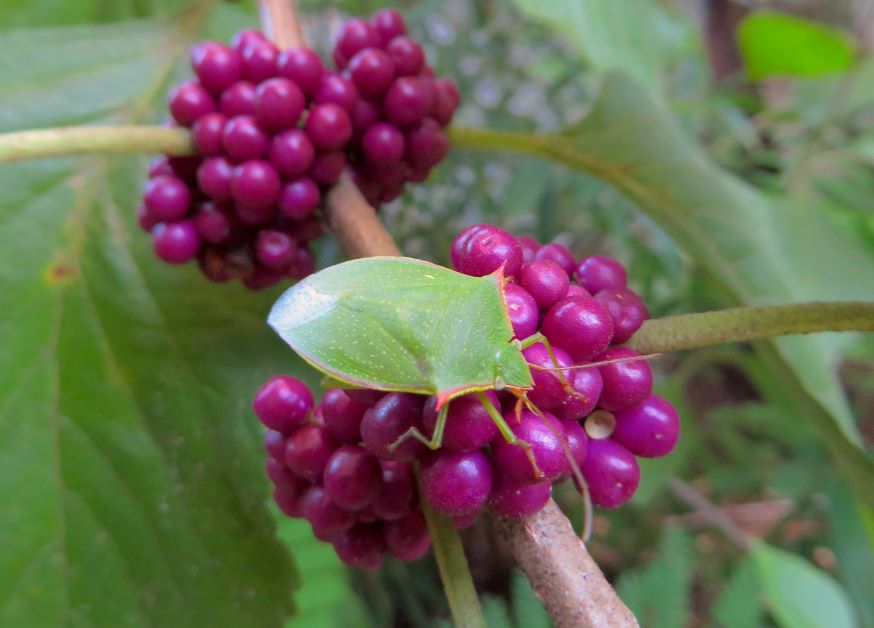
(626, 384)
(289, 499)
(388, 24)
(352, 477)
(176, 242)
(307, 451)
(578, 441)
(259, 61)
(398, 492)
(372, 71)
(327, 167)
(167, 198)
(408, 538)
(389, 420)
(361, 546)
(546, 439)
(456, 482)
(190, 101)
(468, 424)
(522, 310)
(426, 144)
(207, 133)
(328, 126)
(279, 474)
(559, 254)
(213, 224)
(518, 500)
(355, 35)
(481, 249)
(548, 391)
(383, 142)
(587, 383)
(650, 429)
(544, 280)
(338, 90)
(407, 56)
(283, 403)
(291, 153)
(448, 99)
(274, 444)
(214, 178)
(407, 101)
(243, 139)
(279, 104)
(274, 249)
(302, 66)
(255, 184)
(627, 310)
(599, 272)
(611, 473)
(299, 199)
(327, 519)
(216, 65)
(238, 100)
(342, 416)
(579, 325)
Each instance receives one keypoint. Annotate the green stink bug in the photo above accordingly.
(402, 324)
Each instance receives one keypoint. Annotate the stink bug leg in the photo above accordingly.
(559, 371)
(431, 443)
(506, 431)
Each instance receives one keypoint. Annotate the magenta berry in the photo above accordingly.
(372, 71)
(468, 424)
(627, 382)
(579, 325)
(586, 384)
(216, 65)
(388, 421)
(383, 142)
(627, 310)
(611, 473)
(275, 249)
(327, 519)
(546, 442)
(549, 389)
(213, 224)
(289, 500)
(352, 477)
(299, 199)
(214, 178)
(278, 104)
(545, 281)
(259, 61)
(190, 101)
(522, 310)
(559, 254)
(355, 35)
(407, 101)
(342, 416)
(238, 100)
(167, 198)
(388, 24)
(207, 133)
(457, 482)
(482, 249)
(243, 138)
(302, 66)
(255, 184)
(650, 429)
(407, 538)
(426, 145)
(361, 546)
(518, 500)
(283, 403)
(577, 440)
(176, 242)
(274, 444)
(397, 496)
(291, 153)
(337, 90)
(598, 273)
(308, 450)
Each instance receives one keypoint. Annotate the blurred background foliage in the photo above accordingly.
(781, 95)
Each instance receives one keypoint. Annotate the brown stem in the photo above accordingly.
(561, 571)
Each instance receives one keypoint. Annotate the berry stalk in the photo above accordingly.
(81, 140)
(688, 331)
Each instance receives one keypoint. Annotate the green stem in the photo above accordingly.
(454, 572)
(687, 331)
(77, 140)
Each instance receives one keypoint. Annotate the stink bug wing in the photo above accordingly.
(394, 324)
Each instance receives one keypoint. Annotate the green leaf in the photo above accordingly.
(528, 611)
(779, 44)
(132, 482)
(798, 594)
(609, 34)
(739, 605)
(30, 13)
(754, 249)
(659, 593)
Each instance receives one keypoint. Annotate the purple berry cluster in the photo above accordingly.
(603, 415)
(274, 130)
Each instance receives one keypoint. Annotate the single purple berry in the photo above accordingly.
(327, 167)
(217, 66)
(290, 499)
(575, 291)
(292, 153)
(303, 66)
(278, 473)
(146, 219)
(407, 56)
(611, 473)
(522, 310)
(544, 280)
(518, 500)
(274, 443)
(167, 198)
(327, 518)
(407, 538)
(365, 396)
(238, 100)
(213, 223)
(461, 522)
(559, 254)
(254, 216)
(304, 264)
(650, 429)
(427, 144)
(389, 420)
(587, 384)
(355, 35)
(481, 249)
(283, 403)
(243, 139)
(468, 424)
(579, 325)
(247, 37)
(627, 310)
(626, 383)
(456, 482)
(372, 71)
(176, 242)
(547, 441)
(259, 61)
(328, 126)
(388, 24)
(338, 90)
(548, 391)
(255, 184)
(353, 477)
(278, 104)
(160, 166)
(447, 100)
(598, 273)
(308, 450)
(407, 101)
(383, 142)
(398, 492)
(342, 416)
(577, 440)
(207, 133)
(365, 114)
(274, 249)
(214, 178)
(188, 102)
(362, 546)
(299, 199)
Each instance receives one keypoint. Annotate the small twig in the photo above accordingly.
(711, 513)
(279, 21)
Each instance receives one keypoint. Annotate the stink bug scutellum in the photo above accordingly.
(404, 325)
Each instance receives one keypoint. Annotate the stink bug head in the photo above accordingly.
(401, 324)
